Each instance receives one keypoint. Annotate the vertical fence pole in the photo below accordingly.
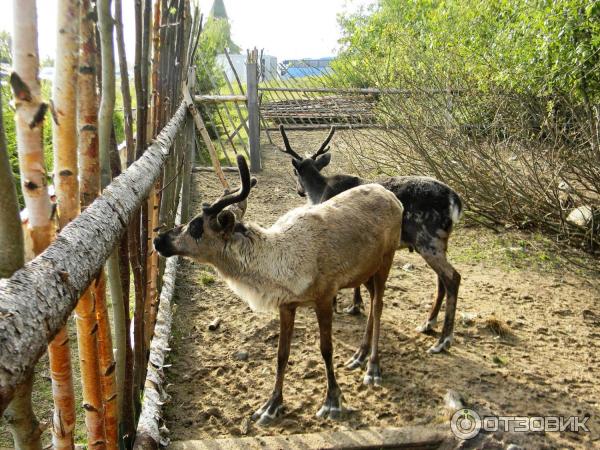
(190, 132)
(253, 110)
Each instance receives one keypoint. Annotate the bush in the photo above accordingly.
(502, 102)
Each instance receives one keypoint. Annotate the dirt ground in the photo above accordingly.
(546, 362)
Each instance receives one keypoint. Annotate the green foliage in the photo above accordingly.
(5, 48)
(214, 39)
(537, 46)
(206, 278)
(119, 124)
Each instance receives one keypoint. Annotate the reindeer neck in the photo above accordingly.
(314, 185)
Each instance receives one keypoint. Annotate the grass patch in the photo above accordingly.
(499, 360)
(207, 278)
(513, 250)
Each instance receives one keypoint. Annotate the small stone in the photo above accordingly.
(245, 426)
(408, 267)
(514, 447)
(468, 318)
(213, 411)
(453, 401)
(241, 355)
(214, 325)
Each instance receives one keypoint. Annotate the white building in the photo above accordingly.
(269, 64)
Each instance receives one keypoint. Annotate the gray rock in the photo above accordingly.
(241, 355)
(408, 267)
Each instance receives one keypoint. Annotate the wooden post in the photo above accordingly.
(253, 110)
(189, 160)
(187, 98)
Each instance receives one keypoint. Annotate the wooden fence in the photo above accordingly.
(110, 242)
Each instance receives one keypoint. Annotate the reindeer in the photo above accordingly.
(303, 259)
(431, 209)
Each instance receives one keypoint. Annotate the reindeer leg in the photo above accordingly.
(274, 406)
(332, 407)
(357, 304)
(335, 305)
(373, 374)
(360, 356)
(435, 307)
(451, 280)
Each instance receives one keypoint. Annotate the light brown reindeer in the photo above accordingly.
(302, 260)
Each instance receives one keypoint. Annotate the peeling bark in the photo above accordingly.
(64, 142)
(148, 432)
(29, 116)
(85, 312)
(19, 415)
(107, 364)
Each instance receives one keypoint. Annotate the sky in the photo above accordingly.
(286, 29)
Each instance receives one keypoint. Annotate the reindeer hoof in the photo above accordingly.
(373, 375)
(427, 326)
(354, 310)
(358, 360)
(268, 412)
(443, 344)
(331, 409)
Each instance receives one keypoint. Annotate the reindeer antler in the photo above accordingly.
(324, 149)
(239, 195)
(288, 147)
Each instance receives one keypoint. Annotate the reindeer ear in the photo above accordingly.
(323, 161)
(295, 163)
(226, 221)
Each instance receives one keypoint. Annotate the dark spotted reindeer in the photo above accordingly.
(431, 209)
(303, 259)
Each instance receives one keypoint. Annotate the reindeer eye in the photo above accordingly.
(196, 228)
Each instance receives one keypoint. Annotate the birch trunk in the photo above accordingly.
(105, 117)
(64, 133)
(155, 194)
(139, 224)
(11, 232)
(29, 118)
(85, 312)
(19, 415)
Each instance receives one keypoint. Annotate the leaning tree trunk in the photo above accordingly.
(19, 415)
(85, 312)
(29, 118)
(67, 193)
(38, 299)
(105, 124)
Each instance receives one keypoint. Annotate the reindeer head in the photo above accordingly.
(307, 168)
(204, 237)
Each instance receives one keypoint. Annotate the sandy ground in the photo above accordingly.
(547, 362)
